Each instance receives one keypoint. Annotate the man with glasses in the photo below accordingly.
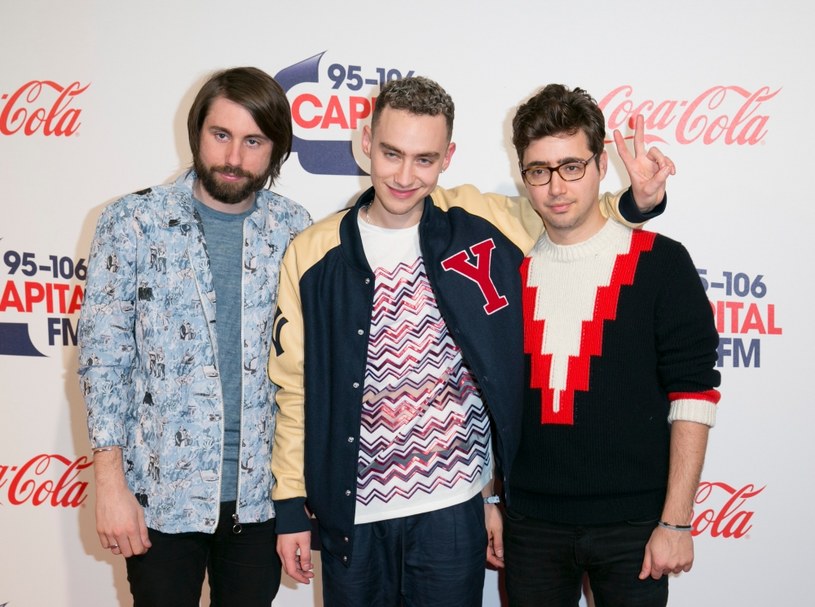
(399, 360)
(620, 349)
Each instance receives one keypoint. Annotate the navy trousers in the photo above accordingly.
(435, 559)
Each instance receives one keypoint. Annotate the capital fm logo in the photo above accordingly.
(329, 103)
(43, 107)
(41, 295)
(744, 310)
(729, 115)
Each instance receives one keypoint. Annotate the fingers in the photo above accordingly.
(144, 537)
(126, 542)
(498, 548)
(305, 565)
(126, 545)
(495, 551)
(655, 155)
(294, 550)
(116, 545)
(622, 149)
(639, 136)
(291, 566)
(666, 554)
(300, 570)
(494, 524)
(128, 548)
(664, 164)
(133, 544)
(109, 543)
(645, 570)
(120, 521)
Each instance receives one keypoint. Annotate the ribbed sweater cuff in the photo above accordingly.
(693, 410)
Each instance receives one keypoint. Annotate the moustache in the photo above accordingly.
(233, 171)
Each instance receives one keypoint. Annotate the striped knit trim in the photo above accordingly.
(711, 396)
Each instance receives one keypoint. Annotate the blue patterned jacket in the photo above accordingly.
(148, 353)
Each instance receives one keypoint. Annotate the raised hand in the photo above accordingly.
(648, 170)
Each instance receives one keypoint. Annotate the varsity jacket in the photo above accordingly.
(620, 341)
(472, 245)
(148, 353)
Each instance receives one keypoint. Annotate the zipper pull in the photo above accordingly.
(236, 524)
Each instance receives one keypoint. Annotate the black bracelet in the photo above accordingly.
(674, 527)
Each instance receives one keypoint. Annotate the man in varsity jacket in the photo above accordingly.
(620, 349)
(399, 359)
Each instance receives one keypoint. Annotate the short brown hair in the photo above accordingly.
(557, 110)
(417, 95)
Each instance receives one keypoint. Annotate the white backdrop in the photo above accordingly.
(93, 104)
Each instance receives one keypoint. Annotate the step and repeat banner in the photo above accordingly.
(93, 105)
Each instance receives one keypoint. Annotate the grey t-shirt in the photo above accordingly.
(223, 233)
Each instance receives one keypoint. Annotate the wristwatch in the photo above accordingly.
(492, 499)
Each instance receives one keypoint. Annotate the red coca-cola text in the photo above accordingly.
(31, 109)
(729, 520)
(27, 484)
(730, 114)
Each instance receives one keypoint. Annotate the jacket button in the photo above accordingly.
(347, 492)
(345, 559)
(350, 439)
(360, 332)
(367, 281)
(355, 384)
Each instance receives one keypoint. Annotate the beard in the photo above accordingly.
(228, 193)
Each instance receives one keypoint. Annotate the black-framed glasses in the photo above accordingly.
(568, 171)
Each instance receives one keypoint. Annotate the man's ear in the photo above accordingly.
(451, 149)
(367, 140)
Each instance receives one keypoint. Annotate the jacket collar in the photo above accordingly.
(180, 210)
(349, 229)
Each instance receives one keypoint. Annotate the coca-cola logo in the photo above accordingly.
(45, 479)
(41, 106)
(726, 511)
(726, 114)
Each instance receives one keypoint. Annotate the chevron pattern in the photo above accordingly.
(425, 432)
(563, 324)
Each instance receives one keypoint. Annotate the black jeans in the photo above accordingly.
(545, 563)
(243, 568)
